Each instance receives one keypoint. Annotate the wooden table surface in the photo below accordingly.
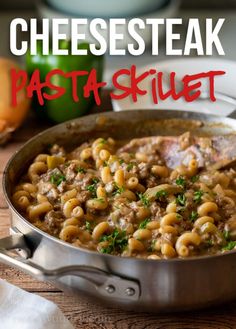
(81, 312)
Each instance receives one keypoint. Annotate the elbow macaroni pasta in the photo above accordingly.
(96, 198)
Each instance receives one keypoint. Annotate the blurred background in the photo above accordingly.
(215, 4)
(185, 9)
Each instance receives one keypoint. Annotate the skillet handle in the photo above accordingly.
(232, 115)
(106, 284)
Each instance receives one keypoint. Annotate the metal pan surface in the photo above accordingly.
(131, 283)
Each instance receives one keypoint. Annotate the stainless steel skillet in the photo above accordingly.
(145, 285)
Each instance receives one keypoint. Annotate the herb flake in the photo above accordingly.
(92, 188)
(130, 166)
(195, 178)
(181, 199)
(193, 216)
(117, 242)
(161, 194)
(88, 226)
(229, 246)
(181, 181)
(145, 201)
(226, 235)
(197, 196)
(81, 170)
(57, 178)
(144, 223)
(209, 243)
(118, 190)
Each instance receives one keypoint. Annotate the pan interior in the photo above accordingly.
(119, 125)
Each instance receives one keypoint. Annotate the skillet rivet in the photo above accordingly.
(110, 289)
(130, 291)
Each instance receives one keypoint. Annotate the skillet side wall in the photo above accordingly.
(165, 285)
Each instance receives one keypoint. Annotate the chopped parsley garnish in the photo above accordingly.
(130, 166)
(117, 242)
(230, 245)
(197, 196)
(105, 164)
(121, 161)
(57, 178)
(181, 181)
(195, 178)
(106, 250)
(193, 216)
(92, 188)
(118, 190)
(226, 235)
(181, 199)
(144, 199)
(209, 243)
(88, 226)
(161, 194)
(144, 223)
(81, 170)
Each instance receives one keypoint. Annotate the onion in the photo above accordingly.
(10, 117)
(170, 189)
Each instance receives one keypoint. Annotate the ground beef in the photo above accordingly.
(144, 170)
(53, 221)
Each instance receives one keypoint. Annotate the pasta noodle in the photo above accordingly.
(130, 203)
